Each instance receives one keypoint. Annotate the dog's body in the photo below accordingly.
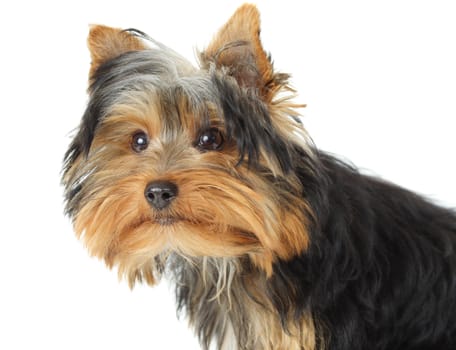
(379, 274)
(206, 176)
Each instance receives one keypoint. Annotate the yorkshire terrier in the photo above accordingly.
(206, 176)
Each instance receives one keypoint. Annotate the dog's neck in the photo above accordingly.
(227, 301)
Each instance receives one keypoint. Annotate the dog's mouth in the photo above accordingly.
(166, 220)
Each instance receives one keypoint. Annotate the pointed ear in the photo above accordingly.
(106, 43)
(237, 46)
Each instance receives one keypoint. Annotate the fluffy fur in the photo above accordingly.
(271, 243)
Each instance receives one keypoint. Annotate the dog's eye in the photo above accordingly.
(139, 141)
(211, 139)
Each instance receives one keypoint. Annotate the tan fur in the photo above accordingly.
(270, 335)
(299, 338)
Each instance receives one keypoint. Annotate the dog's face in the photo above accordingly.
(196, 161)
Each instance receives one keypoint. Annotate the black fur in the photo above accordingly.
(381, 270)
(247, 121)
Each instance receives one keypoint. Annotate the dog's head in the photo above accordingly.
(201, 161)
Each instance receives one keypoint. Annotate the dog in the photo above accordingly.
(206, 176)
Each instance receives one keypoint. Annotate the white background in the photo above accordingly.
(379, 79)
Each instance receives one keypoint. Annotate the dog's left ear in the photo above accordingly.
(238, 48)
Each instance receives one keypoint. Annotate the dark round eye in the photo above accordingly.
(139, 141)
(211, 139)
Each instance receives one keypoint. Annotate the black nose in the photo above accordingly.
(160, 194)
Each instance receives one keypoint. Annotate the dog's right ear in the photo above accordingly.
(106, 43)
